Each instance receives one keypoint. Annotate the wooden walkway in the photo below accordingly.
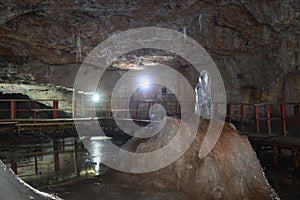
(277, 142)
(262, 119)
(57, 124)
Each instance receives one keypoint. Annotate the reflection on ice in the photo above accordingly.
(49, 162)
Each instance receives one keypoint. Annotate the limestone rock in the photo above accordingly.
(230, 171)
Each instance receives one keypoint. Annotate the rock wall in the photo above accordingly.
(255, 44)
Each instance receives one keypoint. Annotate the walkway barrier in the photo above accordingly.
(267, 117)
(266, 124)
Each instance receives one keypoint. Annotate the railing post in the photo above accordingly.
(34, 109)
(75, 109)
(55, 109)
(56, 155)
(77, 169)
(229, 112)
(36, 165)
(137, 109)
(242, 117)
(269, 119)
(257, 118)
(148, 110)
(13, 109)
(107, 109)
(14, 166)
(283, 118)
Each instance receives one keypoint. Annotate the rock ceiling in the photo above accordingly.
(257, 39)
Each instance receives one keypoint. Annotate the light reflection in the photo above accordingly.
(36, 164)
(97, 145)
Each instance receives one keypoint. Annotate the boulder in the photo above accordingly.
(230, 171)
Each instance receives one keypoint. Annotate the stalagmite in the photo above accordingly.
(230, 171)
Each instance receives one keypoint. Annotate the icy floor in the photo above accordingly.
(13, 188)
(108, 186)
(284, 179)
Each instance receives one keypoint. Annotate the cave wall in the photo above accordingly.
(255, 44)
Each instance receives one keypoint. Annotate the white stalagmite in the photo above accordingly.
(184, 33)
(200, 22)
(203, 105)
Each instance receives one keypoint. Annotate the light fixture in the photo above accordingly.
(96, 97)
(144, 82)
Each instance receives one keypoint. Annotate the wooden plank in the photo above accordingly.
(43, 124)
(279, 140)
(283, 118)
(8, 123)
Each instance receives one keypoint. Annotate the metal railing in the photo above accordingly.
(237, 113)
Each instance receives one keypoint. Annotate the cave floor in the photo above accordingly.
(284, 178)
(108, 186)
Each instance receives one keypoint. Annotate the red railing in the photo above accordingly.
(50, 106)
(236, 113)
(242, 114)
(267, 113)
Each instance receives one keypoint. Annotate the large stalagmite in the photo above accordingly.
(230, 171)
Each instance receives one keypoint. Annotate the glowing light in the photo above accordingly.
(144, 82)
(96, 97)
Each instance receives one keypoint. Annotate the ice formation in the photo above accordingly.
(203, 105)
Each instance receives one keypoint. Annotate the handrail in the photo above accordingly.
(243, 112)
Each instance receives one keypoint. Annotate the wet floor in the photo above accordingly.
(284, 178)
(64, 162)
(42, 160)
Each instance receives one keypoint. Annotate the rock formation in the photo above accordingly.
(230, 171)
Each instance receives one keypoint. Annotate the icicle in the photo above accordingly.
(203, 105)
(78, 51)
(184, 33)
(108, 55)
(200, 22)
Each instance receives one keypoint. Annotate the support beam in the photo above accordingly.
(283, 118)
(229, 108)
(55, 109)
(34, 109)
(13, 109)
